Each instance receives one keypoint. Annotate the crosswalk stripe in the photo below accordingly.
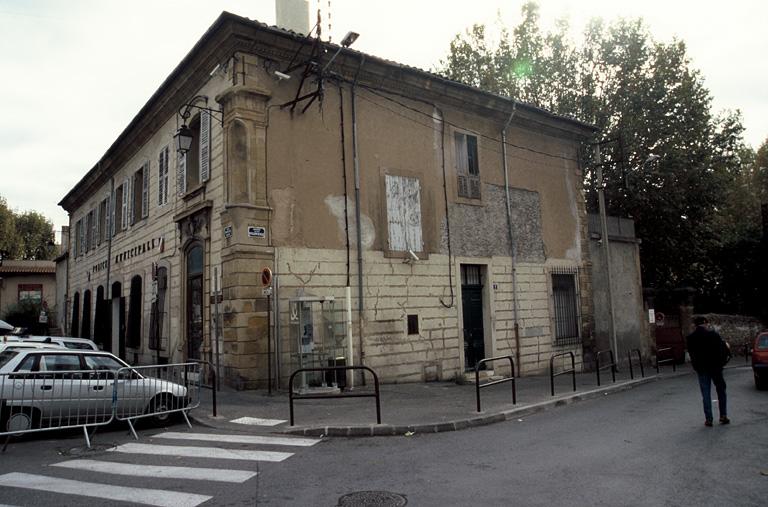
(257, 421)
(158, 497)
(161, 472)
(239, 439)
(201, 452)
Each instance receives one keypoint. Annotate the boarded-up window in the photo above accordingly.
(565, 302)
(467, 167)
(404, 213)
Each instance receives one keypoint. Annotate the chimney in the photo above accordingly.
(293, 15)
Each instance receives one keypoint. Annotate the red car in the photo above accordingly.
(760, 360)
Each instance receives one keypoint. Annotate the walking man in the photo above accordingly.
(709, 353)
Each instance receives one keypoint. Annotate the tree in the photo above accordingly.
(28, 235)
(645, 98)
(35, 233)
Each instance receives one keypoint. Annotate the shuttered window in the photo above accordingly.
(467, 167)
(145, 190)
(162, 177)
(95, 229)
(181, 174)
(205, 146)
(125, 214)
(404, 213)
(565, 302)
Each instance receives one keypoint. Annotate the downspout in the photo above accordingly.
(515, 309)
(108, 290)
(357, 219)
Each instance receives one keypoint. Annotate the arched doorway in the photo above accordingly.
(133, 337)
(194, 301)
(118, 320)
(101, 334)
(158, 334)
(75, 329)
(85, 330)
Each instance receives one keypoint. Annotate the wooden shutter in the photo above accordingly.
(412, 199)
(124, 209)
(145, 190)
(205, 146)
(181, 174)
(162, 176)
(395, 213)
(108, 216)
(76, 242)
(96, 225)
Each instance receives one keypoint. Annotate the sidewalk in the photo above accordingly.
(418, 408)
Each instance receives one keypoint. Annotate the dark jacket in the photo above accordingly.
(706, 350)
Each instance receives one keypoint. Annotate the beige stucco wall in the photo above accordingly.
(9, 288)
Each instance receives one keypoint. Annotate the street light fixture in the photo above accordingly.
(347, 41)
(182, 140)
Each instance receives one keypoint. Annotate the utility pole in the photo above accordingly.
(606, 248)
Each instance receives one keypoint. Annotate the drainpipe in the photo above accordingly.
(515, 309)
(107, 288)
(357, 221)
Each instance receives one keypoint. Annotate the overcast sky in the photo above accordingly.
(75, 72)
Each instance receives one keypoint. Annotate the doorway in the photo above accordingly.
(472, 310)
(194, 301)
(118, 320)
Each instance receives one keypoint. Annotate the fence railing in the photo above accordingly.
(639, 361)
(42, 401)
(208, 372)
(494, 382)
(156, 391)
(32, 402)
(670, 359)
(293, 396)
(552, 373)
(611, 365)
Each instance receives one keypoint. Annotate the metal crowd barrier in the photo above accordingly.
(32, 402)
(494, 382)
(552, 373)
(156, 391)
(611, 365)
(292, 396)
(664, 361)
(209, 372)
(639, 361)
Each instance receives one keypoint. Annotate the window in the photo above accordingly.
(77, 243)
(29, 363)
(413, 324)
(118, 210)
(404, 213)
(103, 223)
(6, 356)
(162, 177)
(61, 362)
(140, 195)
(94, 362)
(194, 166)
(31, 292)
(467, 167)
(566, 315)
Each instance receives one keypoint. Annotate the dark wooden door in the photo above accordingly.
(195, 316)
(472, 309)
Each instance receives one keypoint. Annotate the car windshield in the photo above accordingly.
(762, 342)
(6, 356)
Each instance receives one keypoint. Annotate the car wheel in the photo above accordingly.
(161, 403)
(21, 419)
(761, 383)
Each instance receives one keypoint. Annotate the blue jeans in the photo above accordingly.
(705, 383)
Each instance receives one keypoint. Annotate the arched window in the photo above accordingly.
(194, 301)
(133, 331)
(85, 331)
(75, 329)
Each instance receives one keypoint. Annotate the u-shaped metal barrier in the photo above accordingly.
(611, 365)
(639, 361)
(552, 373)
(671, 359)
(292, 396)
(494, 382)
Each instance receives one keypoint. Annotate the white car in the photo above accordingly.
(19, 345)
(55, 388)
(69, 342)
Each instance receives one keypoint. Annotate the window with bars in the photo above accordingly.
(467, 167)
(566, 307)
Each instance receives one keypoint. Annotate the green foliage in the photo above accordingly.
(28, 235)
(26, 314)
(696, 204)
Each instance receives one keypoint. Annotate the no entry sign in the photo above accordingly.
(266, 277)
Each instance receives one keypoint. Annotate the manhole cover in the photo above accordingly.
(372, 499)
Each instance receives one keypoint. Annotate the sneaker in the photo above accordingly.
(708, 423)
(725, 420)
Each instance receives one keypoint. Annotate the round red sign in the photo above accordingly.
(266, 277)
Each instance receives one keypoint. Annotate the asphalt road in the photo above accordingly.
(645, 446)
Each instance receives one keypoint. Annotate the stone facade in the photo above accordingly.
(283, 180)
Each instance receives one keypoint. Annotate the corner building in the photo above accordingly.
(402, 233)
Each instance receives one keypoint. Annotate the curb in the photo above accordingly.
(375, 430)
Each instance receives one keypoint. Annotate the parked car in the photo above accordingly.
(760, 360)
(50, 388)
(69, 342)
(20, 345)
